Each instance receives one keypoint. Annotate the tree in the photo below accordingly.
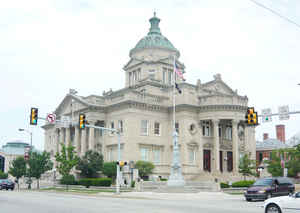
(274, 165)
(3, 175)
(145, 168)
(246, 166)
(18, 168)
(38, 164)
(66, 160)
(90, 164)
(110, 169)
(293, 164)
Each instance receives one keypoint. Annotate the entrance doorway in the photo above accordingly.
(229, 162)
(221, 161)
(206, 160)
(2, 163)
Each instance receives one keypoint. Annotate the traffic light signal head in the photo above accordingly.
(121, 163)
(82, 121)
(34, 116)
(251, 116)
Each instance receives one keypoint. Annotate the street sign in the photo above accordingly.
(283, 112)
(266, 115)
(51, 118)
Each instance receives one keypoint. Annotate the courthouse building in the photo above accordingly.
(209, 117)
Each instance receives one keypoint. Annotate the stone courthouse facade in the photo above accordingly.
(209, 117)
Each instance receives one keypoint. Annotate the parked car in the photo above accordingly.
(283, 204)
(7, 184)
(265, 188)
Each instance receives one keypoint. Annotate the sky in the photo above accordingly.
(50, 46)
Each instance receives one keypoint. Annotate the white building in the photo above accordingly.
(209, 117)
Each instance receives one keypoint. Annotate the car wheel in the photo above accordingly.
(273, 208)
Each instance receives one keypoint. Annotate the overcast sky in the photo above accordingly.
(49, 46)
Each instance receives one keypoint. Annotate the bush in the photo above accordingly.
(132, 184)
(163, 179)
(3, 175)
(68, 180)
(87, 182)
(243, 183)
(224, 185)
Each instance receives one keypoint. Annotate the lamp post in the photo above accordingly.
(25, 130)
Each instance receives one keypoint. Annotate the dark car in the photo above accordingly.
(7, 184)
(265, 188)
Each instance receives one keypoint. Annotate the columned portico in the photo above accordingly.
(61, 137)
(91, 138)
(68, 136)
(235, 147)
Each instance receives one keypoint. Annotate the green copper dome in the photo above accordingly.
(154, 38)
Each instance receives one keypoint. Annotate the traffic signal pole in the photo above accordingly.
(119, 152)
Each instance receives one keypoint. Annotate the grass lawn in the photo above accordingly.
(86, 191)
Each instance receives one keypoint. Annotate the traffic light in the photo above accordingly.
(34, 116)
(121, 163)
(251, 117)
(82, 121)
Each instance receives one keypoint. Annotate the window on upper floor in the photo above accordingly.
(144, 153)
(228, 133)
(144, 127)
(206, 128)
(177, 128)
(120, 125)
(156, 128)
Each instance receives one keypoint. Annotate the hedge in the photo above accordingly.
(224, 185)
(68, 180)
(95, 182)
(243, 183)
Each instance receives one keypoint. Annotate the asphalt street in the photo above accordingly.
(55, 202)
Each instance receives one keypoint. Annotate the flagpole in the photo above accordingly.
(174, 126)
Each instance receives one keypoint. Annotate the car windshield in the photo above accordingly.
(263, 182)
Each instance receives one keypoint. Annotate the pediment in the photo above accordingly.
(65, 106)
(133, 62)
(219, 87)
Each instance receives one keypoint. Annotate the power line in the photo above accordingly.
(276, 13)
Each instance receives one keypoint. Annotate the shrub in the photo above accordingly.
(243, 183)
(68, 180)
(87, 182)
(224, 185)
(3, 175)
(163, 179)
(132, 184)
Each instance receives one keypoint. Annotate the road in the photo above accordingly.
(54, 202)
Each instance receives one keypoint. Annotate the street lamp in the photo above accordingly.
(30, 149)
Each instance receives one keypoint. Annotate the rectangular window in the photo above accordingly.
(112, 125)
(206, 128)
(177, 128)
(120, 125)
(144, 127)
(220, 131)
(228, 133)
(164, 76)
(156, 156)
(144, 154)
(139, 74)
(192, 155)
(156, 128)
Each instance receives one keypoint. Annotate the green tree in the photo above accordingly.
(90, 164)
(274, 165)
(3, 175)
(18, 168)
(247, 166)
(293, 164)
(66, 160)
(110, 169)
(145, 168)
(38, 164)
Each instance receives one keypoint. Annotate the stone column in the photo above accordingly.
(250, 141)
(92, 139)
(235, 147)
(83, 142)
(77, 139)
(216, 155)
(68, 136)
(61, 138)
(56, 140)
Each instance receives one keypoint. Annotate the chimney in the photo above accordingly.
(280, 132)
(266, 136)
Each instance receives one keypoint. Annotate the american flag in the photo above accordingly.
(178, 72)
